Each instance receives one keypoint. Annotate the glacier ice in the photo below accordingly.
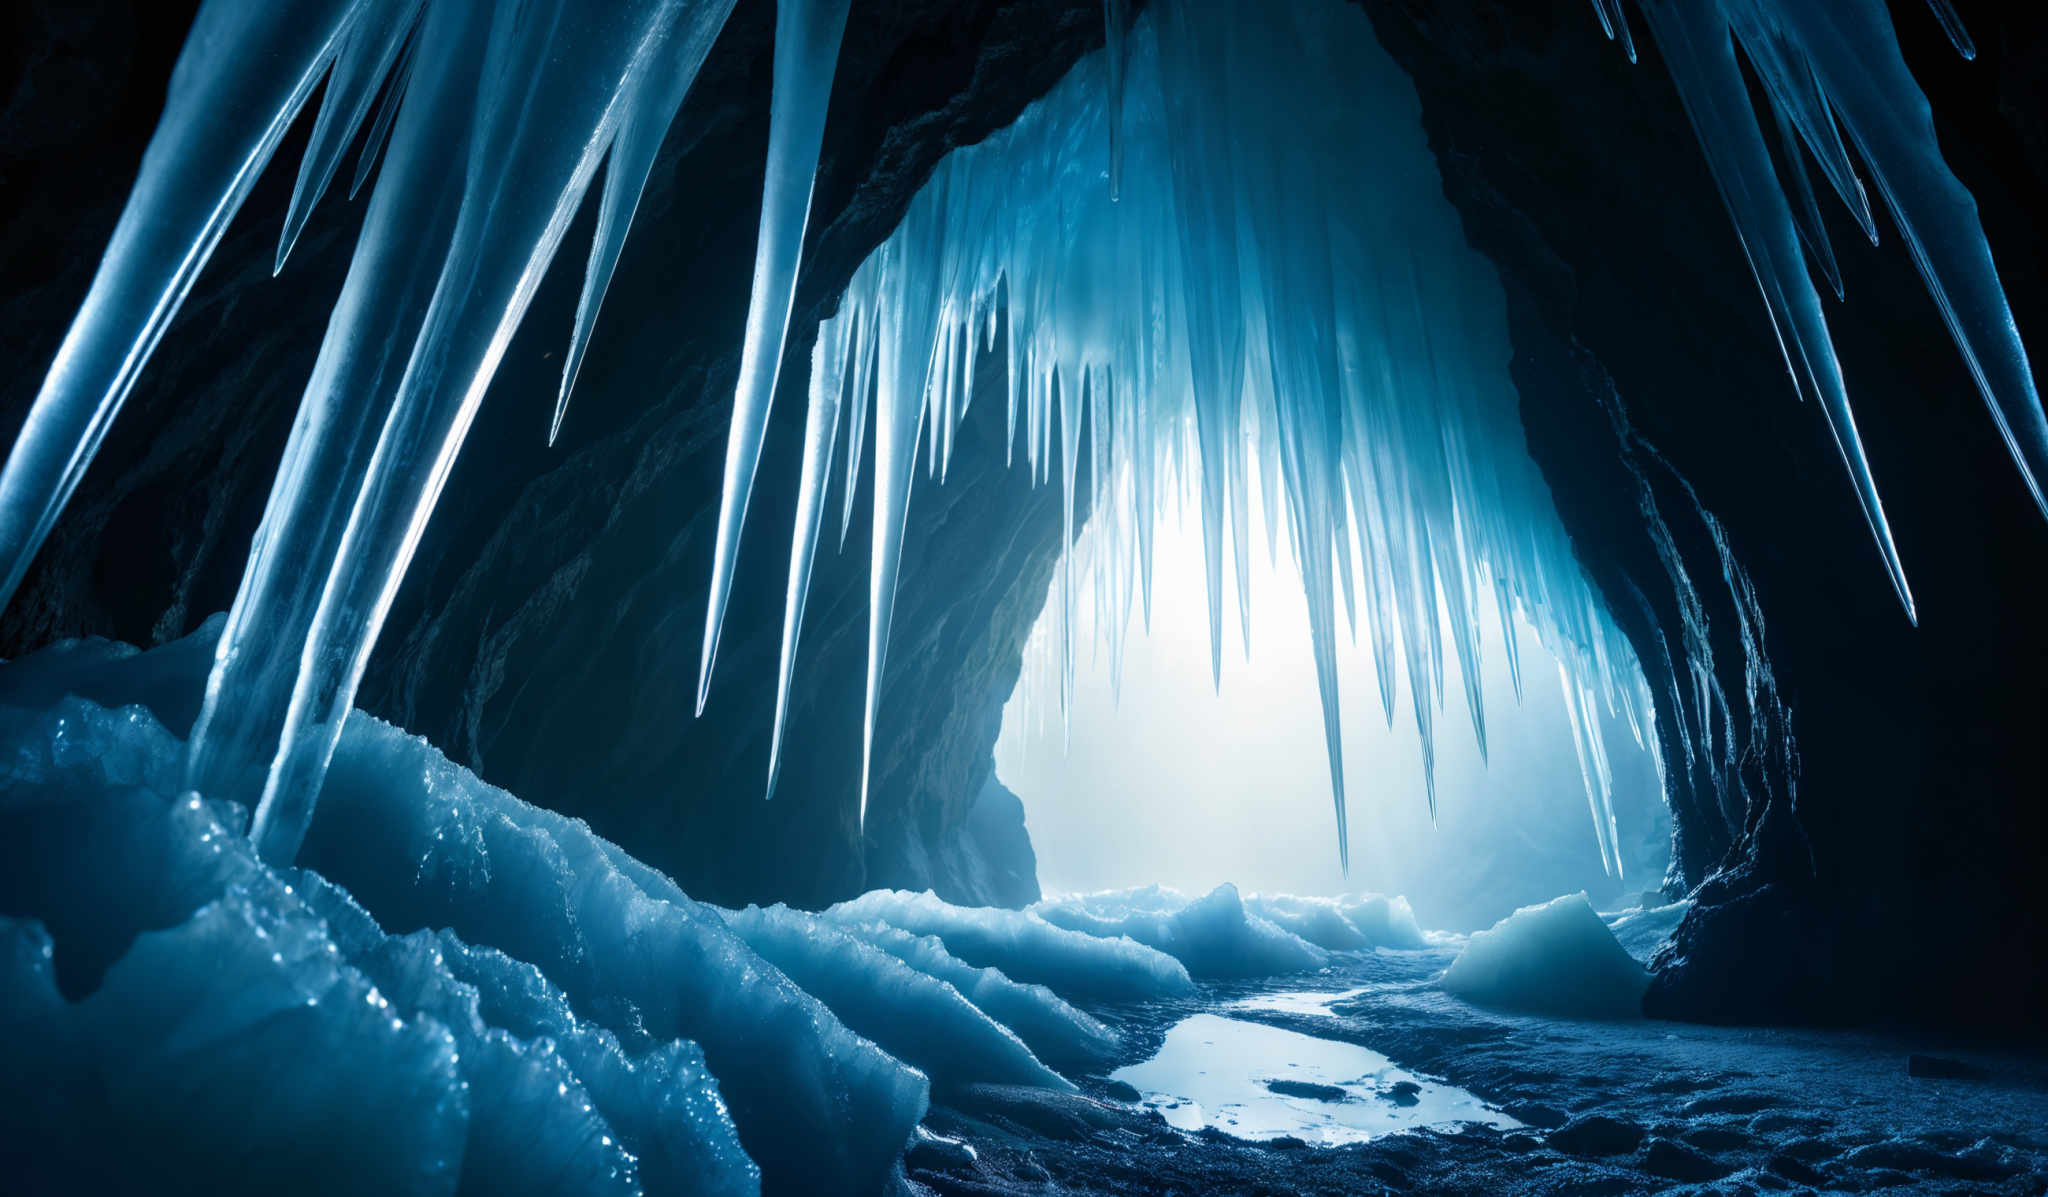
(1219, 246)
(1642, 930)
(1556, 958)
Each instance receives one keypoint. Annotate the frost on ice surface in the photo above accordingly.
(1557, 958)
(1213, 935)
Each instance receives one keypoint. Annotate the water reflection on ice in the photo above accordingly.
(1253, 1081)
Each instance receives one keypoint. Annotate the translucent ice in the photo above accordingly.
(1557, 958)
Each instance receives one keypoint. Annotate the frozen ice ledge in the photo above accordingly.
(455, 991)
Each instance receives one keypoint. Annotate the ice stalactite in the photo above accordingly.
(479, 186)
(1831, 71)
(807, 34)
(632, 158)
(1275, 296)
(821, 429)
(364, 62)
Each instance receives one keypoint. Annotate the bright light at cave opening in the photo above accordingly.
(1155, 774)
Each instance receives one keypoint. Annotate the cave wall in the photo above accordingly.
(1862, 798)
(548, 633)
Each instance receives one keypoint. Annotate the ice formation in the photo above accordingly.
(1834, 78)
(1348, 924)
(916, 1017)
(1025, 946)
(1218, 249)
(1276, 294)
(1213, 936)
(1557, 958)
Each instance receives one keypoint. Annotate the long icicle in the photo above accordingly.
(807, 35)
(632, 160)
(821, 428)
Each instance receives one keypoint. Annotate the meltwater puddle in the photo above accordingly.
(1253, 1081)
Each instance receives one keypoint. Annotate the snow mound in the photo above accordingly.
(1354, 922)
(1025, 946)
(1557, 958)
(1214, 935)
(916, 1017)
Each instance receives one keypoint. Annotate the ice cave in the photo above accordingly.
(945, 597)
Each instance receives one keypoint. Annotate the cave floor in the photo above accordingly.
(1603, 1107)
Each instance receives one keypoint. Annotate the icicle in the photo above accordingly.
(1811, 229)
(521, 186)
(1698, 48)
(1116, 20)
(632, 159)
(406, 235)
(364, 62)
(807, 34)
(1586, 774)
(821, 427)
(906, 311)
(387, 111)
(1855, 55)
(1952, 25)
(245, 72)
(863, 398)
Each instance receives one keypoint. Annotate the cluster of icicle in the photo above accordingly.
(1217, 256)
(1243, 291)
(494, 119)
(1834, 79)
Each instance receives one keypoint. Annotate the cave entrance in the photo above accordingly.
(1150, 773)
